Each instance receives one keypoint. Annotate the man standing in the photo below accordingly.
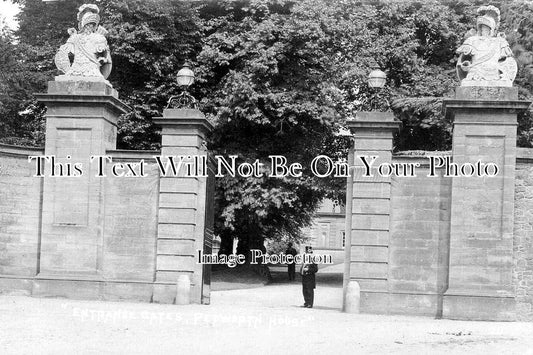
(291, 268)
(308, 272)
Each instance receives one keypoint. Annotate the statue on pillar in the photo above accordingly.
(485, 57)
(88, 46)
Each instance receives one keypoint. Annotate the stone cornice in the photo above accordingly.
(185, 118)
(20, 151)
(374, 120)
(512, 105)
(109, 101)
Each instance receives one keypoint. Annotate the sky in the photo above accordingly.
(7, 12)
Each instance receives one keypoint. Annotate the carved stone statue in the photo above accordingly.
(88, 46)
(485, 57)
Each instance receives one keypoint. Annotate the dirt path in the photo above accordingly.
(266, 320)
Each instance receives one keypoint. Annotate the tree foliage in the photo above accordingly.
(275, 77)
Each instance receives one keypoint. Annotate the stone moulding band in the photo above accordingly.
(110, 101)
(85, 279)
(82, 117)
(19, 151)
(119, 155)
(188, 118)
(422, 293)
(381, 125)
(477, 293)
(480, 123)
(457, 105)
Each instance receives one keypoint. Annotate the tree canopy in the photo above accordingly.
(275, 77)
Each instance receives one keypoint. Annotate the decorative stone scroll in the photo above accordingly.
(92, 60)
(485, 57)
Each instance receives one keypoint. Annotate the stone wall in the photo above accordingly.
(406, 269)
(20, 203)
(417, 256)
(448, 247)
(404, 274)
(418, 249)
(128, 246)
(129, 254)
(523, 235)
(130, 225)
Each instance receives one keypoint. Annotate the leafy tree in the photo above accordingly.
(517, 23)
(267, 70)
(149, 42)
(22, 121)
(276, 77)
(27, 65)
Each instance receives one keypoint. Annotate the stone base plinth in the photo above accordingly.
(105, 290)
(401, 303)
(486, 93)
(486, 83)
(486, 308)
(89, 86)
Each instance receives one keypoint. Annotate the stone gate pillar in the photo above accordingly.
(184, 213)
(81, 121)
(481, 234)
(370, 214)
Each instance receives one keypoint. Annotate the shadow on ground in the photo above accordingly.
(326, 276)
(243, 276)
(224, 278)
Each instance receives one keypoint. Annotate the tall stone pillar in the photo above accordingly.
(370, 214)
(481, 233)
(81, 121)
(182, 204)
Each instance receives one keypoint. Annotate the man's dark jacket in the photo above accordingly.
(308, 280)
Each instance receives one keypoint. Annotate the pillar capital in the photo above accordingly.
(175, 120)
(84, 95)
(373, 120)
(485, 103)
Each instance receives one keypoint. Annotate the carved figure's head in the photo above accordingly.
(90, 18)
(489, 17)
(487, 21)
(88, 14)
